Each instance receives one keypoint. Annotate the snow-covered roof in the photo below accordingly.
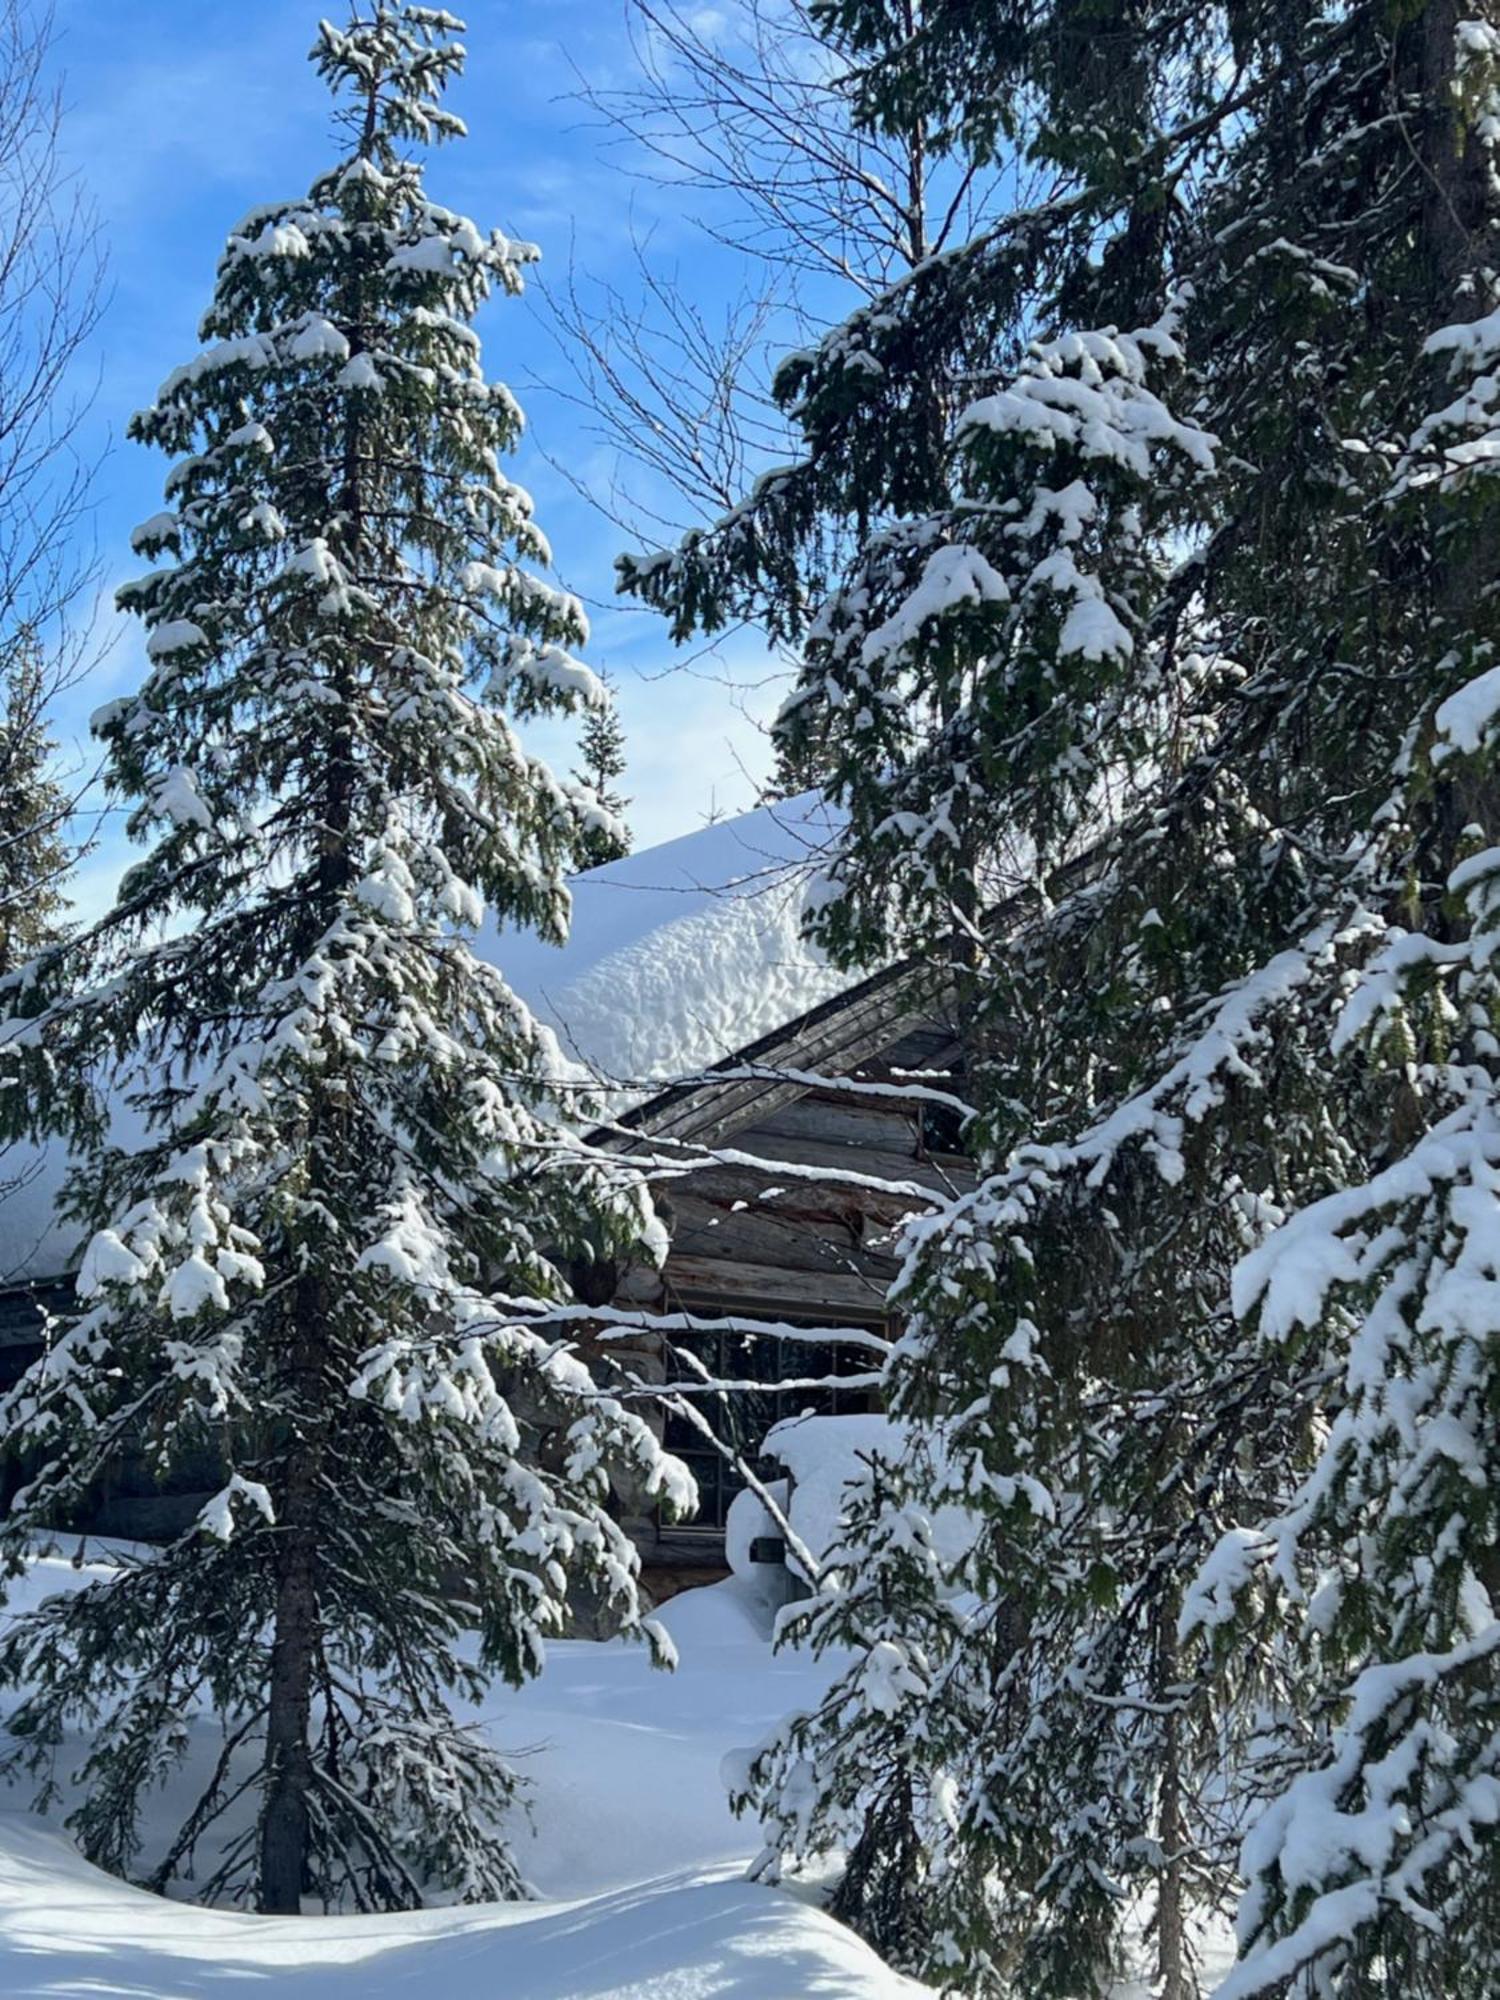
(678, 957)
(683, 954)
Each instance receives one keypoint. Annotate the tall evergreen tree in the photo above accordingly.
(326, 1264)
(877, 552)
(1239, 1085)
(1374, 1867)
(35, 810)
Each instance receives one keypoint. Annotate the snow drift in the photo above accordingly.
(68, 1931)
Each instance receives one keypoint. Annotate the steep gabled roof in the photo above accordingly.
(684, 957)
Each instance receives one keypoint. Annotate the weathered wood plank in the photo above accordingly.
(759, 1291)
(814, 1293)
(823, 1116)
(763, 1235)
(758, 1184)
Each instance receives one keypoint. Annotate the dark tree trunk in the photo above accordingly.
(1172, 1832)
(285, 1817)
(1455, 198)
(284, 1829)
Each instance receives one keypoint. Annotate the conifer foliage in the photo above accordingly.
(35, 856)
(1186, 1577)
(342, 1171)
(601, 745)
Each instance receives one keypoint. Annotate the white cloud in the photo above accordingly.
(696, 748)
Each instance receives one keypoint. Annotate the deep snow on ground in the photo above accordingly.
(622, 1760)
(69, 1933)
(627, 1760)
(637, 1860)
(638, 1864)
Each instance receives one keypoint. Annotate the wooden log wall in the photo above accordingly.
(752, 1232)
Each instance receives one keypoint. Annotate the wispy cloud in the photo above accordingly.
(165, 99)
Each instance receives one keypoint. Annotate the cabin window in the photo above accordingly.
(23, 1314)
(741, 1417)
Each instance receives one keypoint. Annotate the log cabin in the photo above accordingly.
(789, 1116)
(781, 1177)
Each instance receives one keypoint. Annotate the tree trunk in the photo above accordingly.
(1171, 1826)
(1455, 215)
(1455, 199)
(284, 1826)
(285, 1822)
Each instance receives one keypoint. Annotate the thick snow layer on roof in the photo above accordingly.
(681, 955)
(678, 956)
(35, 1241)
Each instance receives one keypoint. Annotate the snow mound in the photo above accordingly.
(824, 1457)
(713, 1625)
(67, 1930)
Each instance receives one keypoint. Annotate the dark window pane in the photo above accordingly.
(742, 1417)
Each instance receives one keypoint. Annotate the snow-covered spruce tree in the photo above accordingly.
(601, 756)
(352, 1157)
(917, 740)
(988, 687)
(1165, 1081)
(1375, 1867)
(36, 855)
(1348, 582)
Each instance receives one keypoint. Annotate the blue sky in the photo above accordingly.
(181, 114)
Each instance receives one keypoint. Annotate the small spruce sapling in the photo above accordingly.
(602, 759)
